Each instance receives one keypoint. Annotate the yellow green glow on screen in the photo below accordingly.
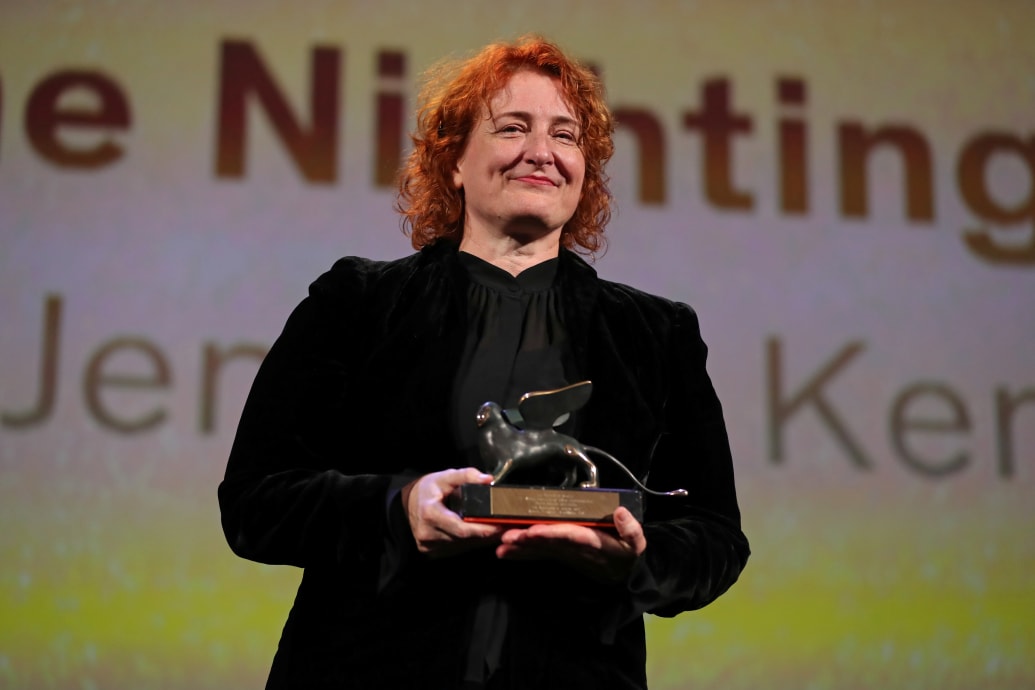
(864, 600)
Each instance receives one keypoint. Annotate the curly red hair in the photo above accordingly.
(448, 106)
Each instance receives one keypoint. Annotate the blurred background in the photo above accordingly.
(845, 191)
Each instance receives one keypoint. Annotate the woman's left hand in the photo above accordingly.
(603, 554)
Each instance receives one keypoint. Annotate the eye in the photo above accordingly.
(512, 128)
(566, 136)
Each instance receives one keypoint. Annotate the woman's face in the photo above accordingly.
(522, 168)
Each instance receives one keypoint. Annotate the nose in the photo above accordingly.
(539, 151)
(541, 158)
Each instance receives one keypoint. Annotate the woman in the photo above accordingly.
(364, 408)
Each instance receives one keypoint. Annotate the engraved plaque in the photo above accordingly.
(528, 505)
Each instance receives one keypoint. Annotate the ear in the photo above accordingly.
(458, 175)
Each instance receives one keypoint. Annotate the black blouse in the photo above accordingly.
(516, 343)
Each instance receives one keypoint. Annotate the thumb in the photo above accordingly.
(475, 476)
(630, 530)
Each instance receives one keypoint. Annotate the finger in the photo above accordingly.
(630, 530)
(564, 533)
(513, 535)
(454, 526)
(449, 536)
(475, 530)
(448, 480)
(464, 475)
(432, 490)
(476, 476)
(518, 552)
(534, 550)
(573, 554)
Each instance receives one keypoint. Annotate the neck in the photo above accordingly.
(512, 254)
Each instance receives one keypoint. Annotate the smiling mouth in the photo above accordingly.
(536, 180)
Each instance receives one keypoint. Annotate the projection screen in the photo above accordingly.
(844, 191)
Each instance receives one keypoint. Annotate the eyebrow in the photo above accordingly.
(521, 114)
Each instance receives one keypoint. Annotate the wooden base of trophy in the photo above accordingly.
(529, 505)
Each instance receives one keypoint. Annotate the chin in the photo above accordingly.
(532, 226)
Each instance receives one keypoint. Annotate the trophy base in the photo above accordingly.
(529, 505)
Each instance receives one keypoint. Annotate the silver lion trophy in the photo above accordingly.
(523, 444)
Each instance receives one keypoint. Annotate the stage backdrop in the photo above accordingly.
(845, 191)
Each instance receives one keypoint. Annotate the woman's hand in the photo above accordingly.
(603, 554)
(437, 530)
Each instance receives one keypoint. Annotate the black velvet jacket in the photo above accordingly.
(353, 401)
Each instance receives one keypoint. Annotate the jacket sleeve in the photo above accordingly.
(291, 494)
(695, 547)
